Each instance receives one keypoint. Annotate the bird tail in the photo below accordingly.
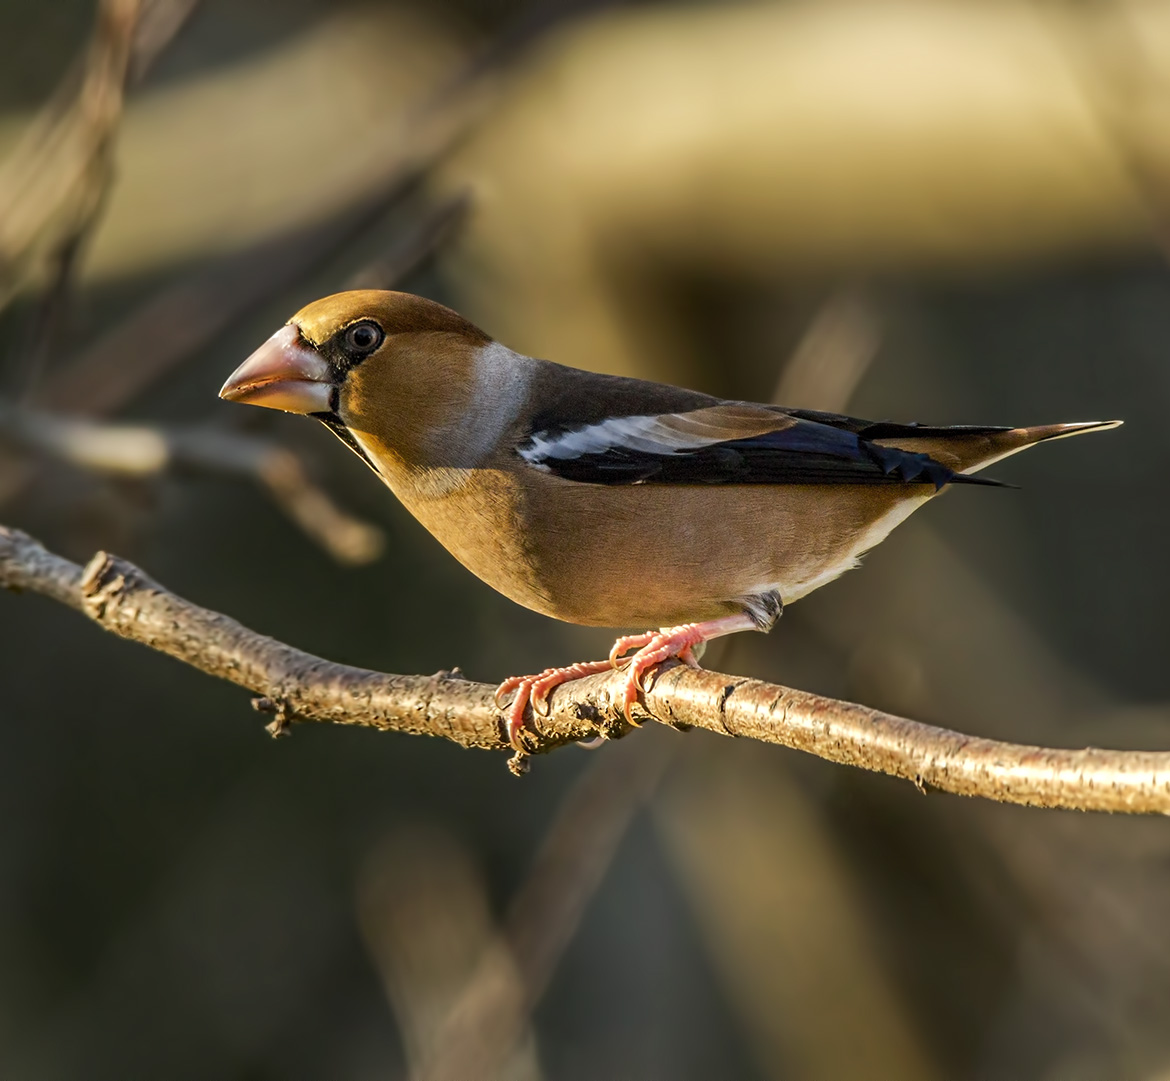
(967, 450)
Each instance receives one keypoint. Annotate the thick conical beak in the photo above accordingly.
(283, 373)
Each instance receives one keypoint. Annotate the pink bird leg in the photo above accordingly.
(652, 648)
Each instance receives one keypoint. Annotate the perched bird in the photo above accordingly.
(604, 500)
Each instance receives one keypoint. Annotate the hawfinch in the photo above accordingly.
(603, 500)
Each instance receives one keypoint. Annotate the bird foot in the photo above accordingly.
(534, 690)
(653, 647)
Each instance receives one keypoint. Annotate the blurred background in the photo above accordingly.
(938, 210)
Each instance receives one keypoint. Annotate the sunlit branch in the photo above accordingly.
(296, 686)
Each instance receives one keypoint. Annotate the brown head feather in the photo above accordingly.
(419, 398)
(396, 313)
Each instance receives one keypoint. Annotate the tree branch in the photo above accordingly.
(54, 182)
(297, 686)
(141, 451)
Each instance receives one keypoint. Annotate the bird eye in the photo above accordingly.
(363, 338)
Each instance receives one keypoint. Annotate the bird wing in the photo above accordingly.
(729, 443)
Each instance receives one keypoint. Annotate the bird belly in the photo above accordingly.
(868, 538)
(651, 555)
(659, 555)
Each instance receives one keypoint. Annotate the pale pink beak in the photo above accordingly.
(283, 373)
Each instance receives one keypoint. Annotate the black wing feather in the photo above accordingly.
(808, 452)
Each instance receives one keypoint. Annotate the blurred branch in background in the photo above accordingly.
(173, 325)
(424, 914)
(488, 1016)
(158, 23)
(141, 451)
(744, 141)
(298, 686)
(786, 930)
(464, 990)
(54, 183)
(1116, 54)
(182, 319)
(833, 355)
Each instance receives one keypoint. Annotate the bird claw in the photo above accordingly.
(652, 648)
(628, 642)
(505, 689)
(534, 691)
(628, 699)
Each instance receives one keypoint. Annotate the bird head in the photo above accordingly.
(387, 371)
